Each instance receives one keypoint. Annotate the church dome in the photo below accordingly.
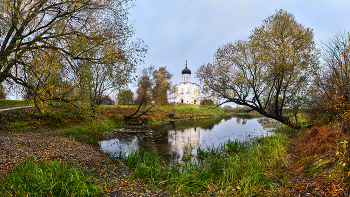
(186, 71)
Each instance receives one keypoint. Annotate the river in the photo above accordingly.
(181, 138)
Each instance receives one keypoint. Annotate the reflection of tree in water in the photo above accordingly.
(123, 137)
(157, 141)
(162, 138)
(208, 127)
(238, 120)
(242, 121)
(181, 125)
(227, 118)
(247, 117)
(268, 123)
(209, 124)
(167, 139)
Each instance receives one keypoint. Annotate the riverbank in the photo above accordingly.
(110, 175)
(314, 162)
(26, 134)
(118, 178)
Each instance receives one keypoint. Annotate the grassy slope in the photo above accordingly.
(110, 117)
(13, 103)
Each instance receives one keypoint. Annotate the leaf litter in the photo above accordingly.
(113, 176)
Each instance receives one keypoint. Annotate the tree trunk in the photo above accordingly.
(282, 119)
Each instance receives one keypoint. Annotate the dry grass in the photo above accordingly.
(321, 140)
(321, 150)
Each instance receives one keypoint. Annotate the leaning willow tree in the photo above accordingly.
(67, 51)
(269, 71)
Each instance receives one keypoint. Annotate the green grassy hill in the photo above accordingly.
(13, 103)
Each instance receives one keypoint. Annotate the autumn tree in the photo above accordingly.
(125, 96)
(145, 84)
(67, 51)
(2, 92)
(331, 88)
(207, 102)
(162, 85)
(153, 86)
(266, 72)
(226, 108)
(107, 100)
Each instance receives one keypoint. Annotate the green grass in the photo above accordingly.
(259, 168)
(184, 110)
(289, 131)
(30, 120)
(48, 178)
(91, 129)
(14, 103)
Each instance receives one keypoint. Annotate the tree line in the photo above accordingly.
(70, 54)
(277, 71)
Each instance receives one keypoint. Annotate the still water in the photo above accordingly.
(182, 137)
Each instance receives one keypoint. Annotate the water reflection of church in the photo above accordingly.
(184, 140)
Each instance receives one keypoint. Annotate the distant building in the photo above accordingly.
(187, 92)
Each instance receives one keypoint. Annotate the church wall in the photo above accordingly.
(188, 92)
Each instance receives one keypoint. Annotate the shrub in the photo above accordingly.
(207, 102)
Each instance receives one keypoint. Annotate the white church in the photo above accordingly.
(186, 91)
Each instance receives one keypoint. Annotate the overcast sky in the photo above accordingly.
(192, 30)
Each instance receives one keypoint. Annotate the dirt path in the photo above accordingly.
(301, 185)
(13, 108)
(15, 146)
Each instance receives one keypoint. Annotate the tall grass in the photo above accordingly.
(48, 178)
(234, 168)
(289, 131)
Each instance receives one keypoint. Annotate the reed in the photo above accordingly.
(234, 168)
